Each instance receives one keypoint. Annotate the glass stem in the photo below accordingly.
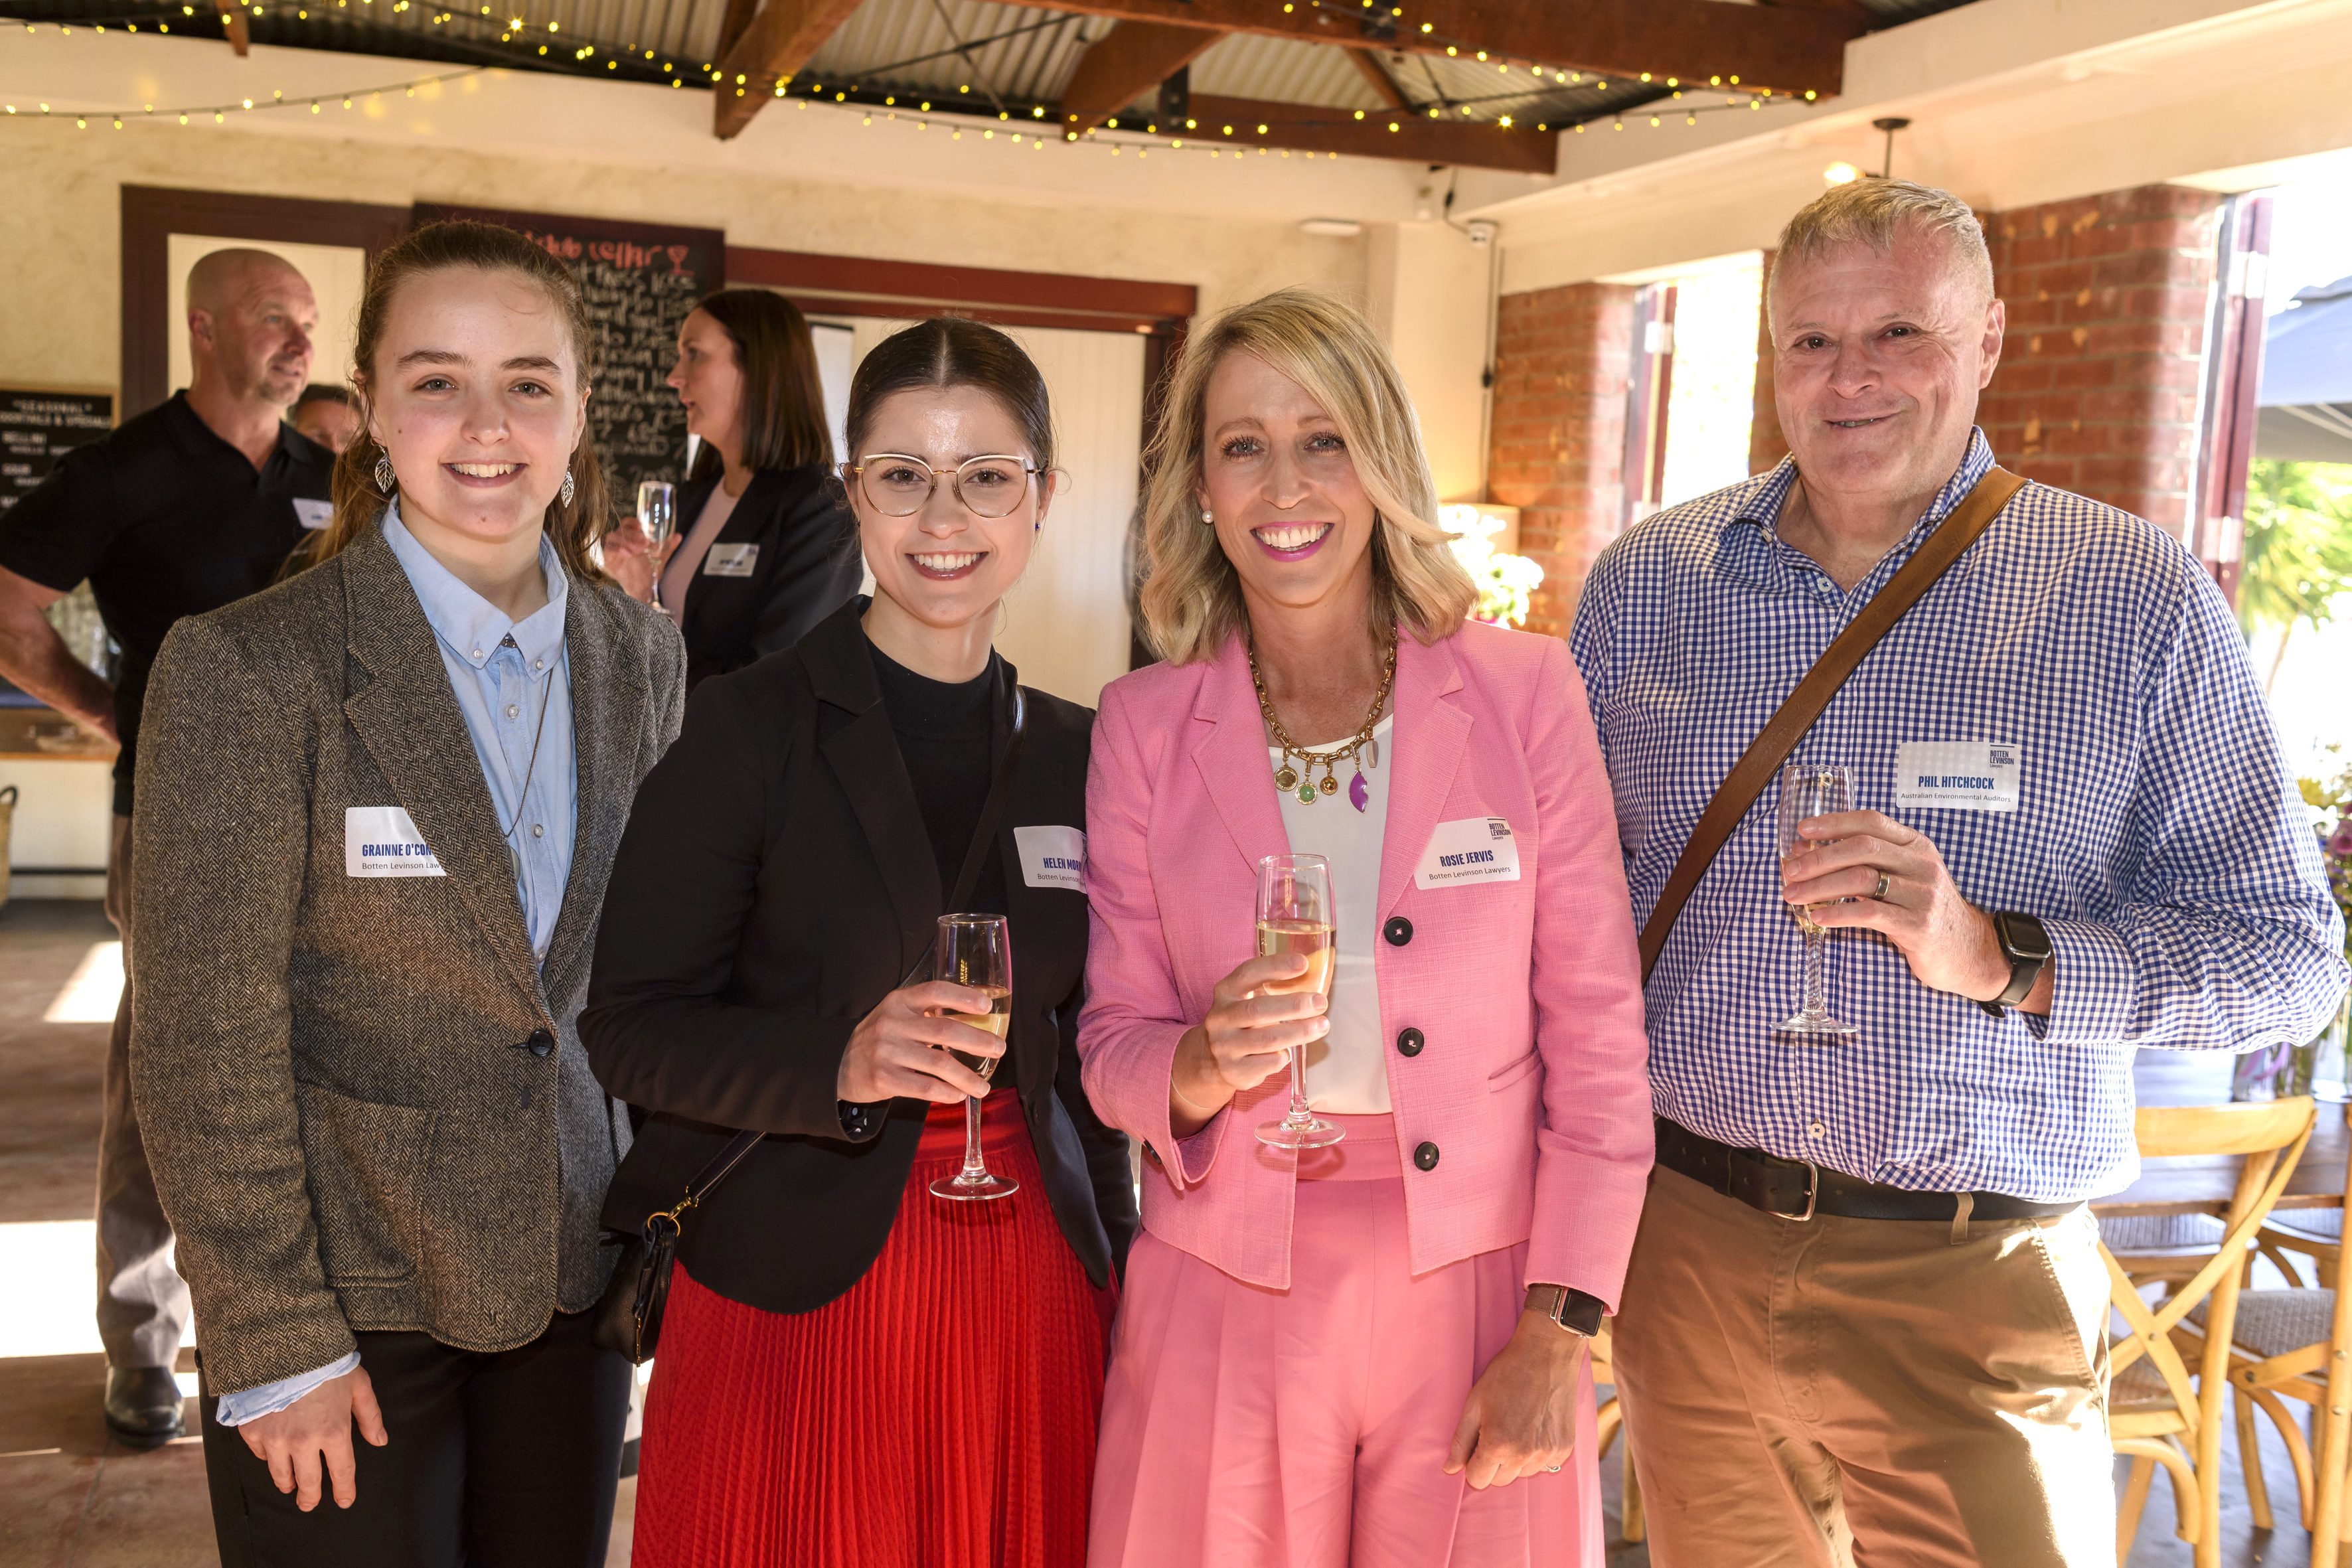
(1298, 1111)
(1817, 1001)
(975, 1169)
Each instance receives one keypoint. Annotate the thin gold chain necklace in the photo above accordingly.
(1308, 788)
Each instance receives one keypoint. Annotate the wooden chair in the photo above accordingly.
(2158, 1413)
(2296, 1344)
(1610, 1424)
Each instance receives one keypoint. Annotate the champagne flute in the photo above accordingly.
(1294, 914)
(976, 951)
(657, 515)
(1809, 790)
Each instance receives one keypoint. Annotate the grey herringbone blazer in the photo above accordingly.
(345, 1083)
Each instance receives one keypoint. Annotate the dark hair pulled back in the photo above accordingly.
(952, 350)
(572, 526)
(783, 397)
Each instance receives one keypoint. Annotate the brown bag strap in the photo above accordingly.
(1772, 744)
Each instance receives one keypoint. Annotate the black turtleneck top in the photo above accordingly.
(946, 730)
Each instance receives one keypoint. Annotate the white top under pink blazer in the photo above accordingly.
(1528, 1087)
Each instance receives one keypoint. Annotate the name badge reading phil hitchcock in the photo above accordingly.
(313, 515)
(1955, 775)
(1474, 849)
(1052, 856)
(380, 841)
(731, 561)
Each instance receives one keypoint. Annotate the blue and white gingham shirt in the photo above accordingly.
(2157, 835)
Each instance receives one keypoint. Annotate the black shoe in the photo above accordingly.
(143, 1408)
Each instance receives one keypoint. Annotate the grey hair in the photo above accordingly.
(1872, 211)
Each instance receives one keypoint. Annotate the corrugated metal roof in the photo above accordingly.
(960, 52)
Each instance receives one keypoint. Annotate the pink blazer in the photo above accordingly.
(1533, 1082)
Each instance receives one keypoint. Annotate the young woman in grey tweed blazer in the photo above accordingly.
(376, 822)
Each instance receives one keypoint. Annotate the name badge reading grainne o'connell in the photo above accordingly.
(1957, 775)
(1474, 849)
(381, 841)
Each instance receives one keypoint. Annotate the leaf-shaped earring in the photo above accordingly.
(567, 489)
(383, 475)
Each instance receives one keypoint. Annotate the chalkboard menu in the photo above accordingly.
(37, 428)
(640, 279)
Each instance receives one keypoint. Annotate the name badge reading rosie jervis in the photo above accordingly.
(1955, 775)
(731, 561)
(1474, 849)
(1052, 856)
(380, 841)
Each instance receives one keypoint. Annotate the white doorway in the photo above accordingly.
(1065, 626)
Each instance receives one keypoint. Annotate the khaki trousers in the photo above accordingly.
(142, 1303)
(1853, 1392)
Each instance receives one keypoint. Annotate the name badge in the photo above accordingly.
(731, 561)
(313, 515)
(1052, 856)
(1955, 775)
(380, 841)
(1474, 849)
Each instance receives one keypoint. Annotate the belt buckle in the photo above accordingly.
(1812, 1192)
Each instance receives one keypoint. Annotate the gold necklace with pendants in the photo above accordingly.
(1308, 788)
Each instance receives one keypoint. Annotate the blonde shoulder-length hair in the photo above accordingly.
(1190, 597)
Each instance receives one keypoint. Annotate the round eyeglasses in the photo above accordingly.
(898, 485)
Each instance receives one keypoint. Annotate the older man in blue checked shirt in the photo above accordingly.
(1866, 1313)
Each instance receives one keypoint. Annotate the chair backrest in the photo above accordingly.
(2271, 1136)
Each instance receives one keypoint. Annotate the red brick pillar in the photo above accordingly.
(1562, 361)
(1765, 445)
(2107, 297)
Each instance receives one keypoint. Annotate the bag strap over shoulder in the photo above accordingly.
(730, 1154)
(1770, 748)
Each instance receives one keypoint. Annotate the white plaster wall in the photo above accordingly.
(1430, 293)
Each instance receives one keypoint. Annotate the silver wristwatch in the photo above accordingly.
(1574, 1311)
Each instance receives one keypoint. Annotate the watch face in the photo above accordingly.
(2022, 936)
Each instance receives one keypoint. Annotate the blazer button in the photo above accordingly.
(1426, 1156)
(541, 1043)
(1399, 931)
(1409, 1043)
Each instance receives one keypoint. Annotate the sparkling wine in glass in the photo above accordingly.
(1294, 914)
(657, 515)
(1809, 790)
(976, 951)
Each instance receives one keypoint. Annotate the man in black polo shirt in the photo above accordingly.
(180, 510)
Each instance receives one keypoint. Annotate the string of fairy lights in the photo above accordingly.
(1033, 125)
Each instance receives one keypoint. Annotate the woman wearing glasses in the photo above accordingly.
(766, 549)
(852, 1370)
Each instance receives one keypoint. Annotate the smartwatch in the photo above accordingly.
(2026, 945)
(1574, 1311)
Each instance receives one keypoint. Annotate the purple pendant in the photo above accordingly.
(1358, 797)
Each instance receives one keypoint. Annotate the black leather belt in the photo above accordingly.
(1799, 1189)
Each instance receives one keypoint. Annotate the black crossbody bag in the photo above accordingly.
(628, 1316)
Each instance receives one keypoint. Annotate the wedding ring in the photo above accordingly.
(1879, 894)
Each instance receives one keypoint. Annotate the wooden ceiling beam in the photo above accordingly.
(1241, 123)
(234, 29)
(777, 44)
(1129, 61)
(1786, 48)
(1367, 65)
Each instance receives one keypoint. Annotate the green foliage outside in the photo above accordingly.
(2298, 549)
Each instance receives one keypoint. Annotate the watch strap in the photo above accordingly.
(1577, 1312)
(2024, 969)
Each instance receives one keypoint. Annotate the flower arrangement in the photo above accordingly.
(1506, 583)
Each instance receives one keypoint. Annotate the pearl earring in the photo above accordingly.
(1208, 518)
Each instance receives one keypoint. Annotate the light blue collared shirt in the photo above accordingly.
(503, 672)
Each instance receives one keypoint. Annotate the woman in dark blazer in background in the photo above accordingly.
(851, 1370)
(764, 548)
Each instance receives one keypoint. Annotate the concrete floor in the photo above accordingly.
(71, 1498)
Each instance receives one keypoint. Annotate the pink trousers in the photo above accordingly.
(1245, 1427)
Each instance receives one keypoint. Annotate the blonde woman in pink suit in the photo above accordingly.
(1371, 1355)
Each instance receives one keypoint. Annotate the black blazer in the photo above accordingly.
(804, 565)
(774, 883)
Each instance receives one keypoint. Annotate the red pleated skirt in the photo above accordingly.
(940, 1415)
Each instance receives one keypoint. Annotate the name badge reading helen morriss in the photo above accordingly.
(380, 841)
(1052, 856)
(731, 561)
(1474, 849)
(1957, 775)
